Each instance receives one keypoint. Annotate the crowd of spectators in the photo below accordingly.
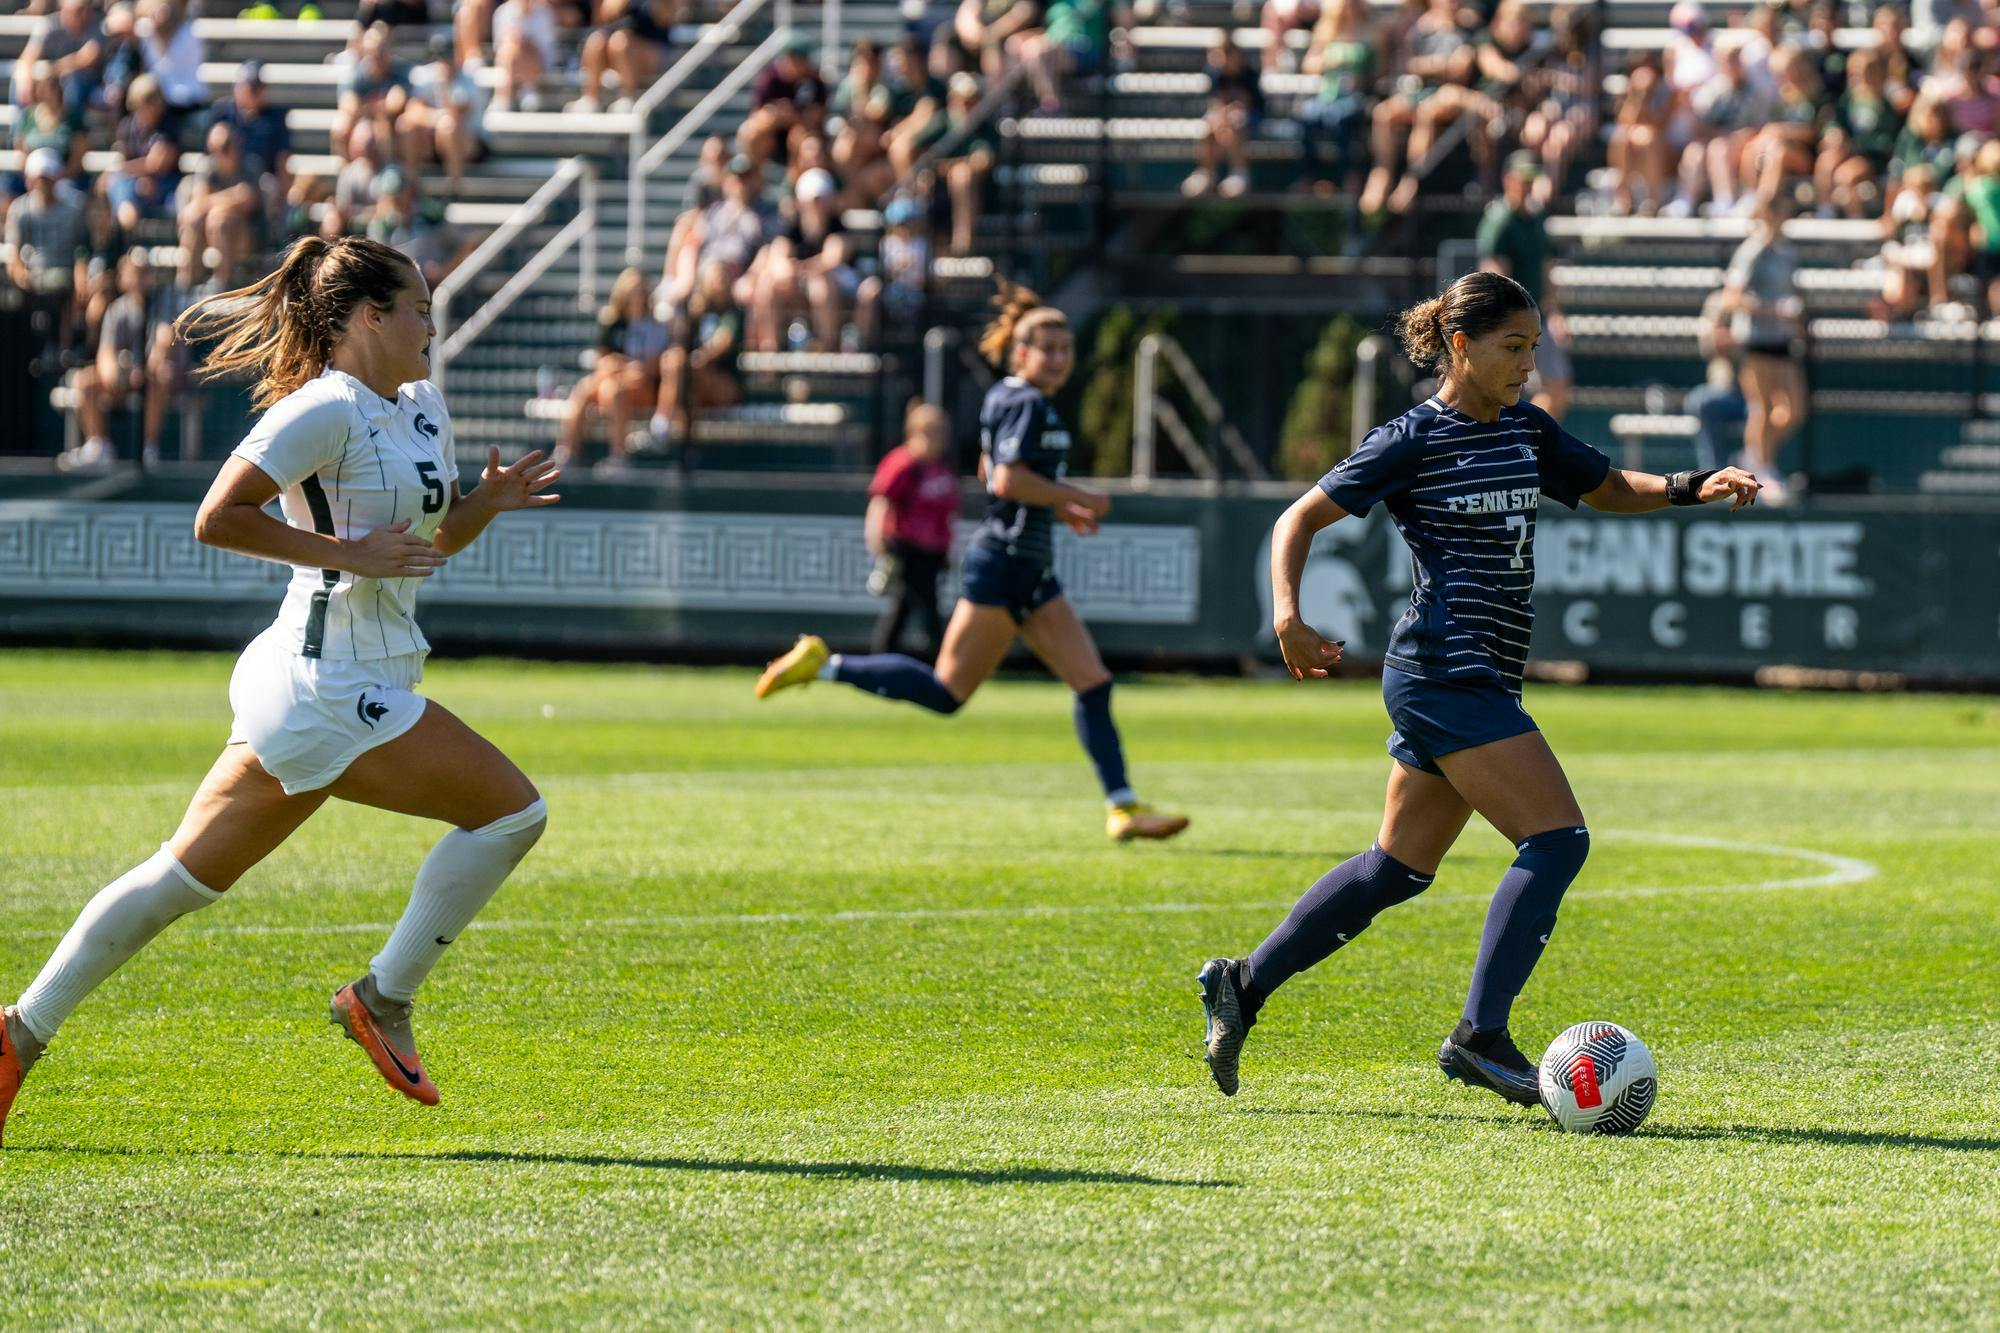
(760, 258)
(197, 191)
(1387, 89)
(1892, 121)
(1816, 106)
(193, 193)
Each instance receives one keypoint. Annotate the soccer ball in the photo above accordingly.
(1598, 1078)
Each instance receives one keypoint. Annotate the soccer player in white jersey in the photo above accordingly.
(356, 445)
(1462, 475)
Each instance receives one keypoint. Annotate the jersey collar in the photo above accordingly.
(382, 406)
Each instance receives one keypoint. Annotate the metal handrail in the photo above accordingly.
(829, 44)
(1367, 361)
(1150, 407)
(640, 159)
(580, 231)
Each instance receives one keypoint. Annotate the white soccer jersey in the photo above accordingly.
(348, 461)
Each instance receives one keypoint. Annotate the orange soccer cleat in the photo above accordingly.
(381, 1027)
(19, 1050)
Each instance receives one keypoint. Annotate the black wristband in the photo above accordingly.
(1684, 488)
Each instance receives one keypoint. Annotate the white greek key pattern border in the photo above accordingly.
(1127, 573)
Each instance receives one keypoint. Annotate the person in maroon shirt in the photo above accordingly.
(787, 101)
(911, 506)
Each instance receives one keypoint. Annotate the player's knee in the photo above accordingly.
(519, 831)
(1569, 845)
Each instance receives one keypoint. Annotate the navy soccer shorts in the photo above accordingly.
(991, 577)
(1439, 717)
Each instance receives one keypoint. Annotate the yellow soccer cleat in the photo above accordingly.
(800, 666)
(1139, 820)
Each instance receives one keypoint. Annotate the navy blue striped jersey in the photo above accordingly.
(1464, 493)
(1018, 425)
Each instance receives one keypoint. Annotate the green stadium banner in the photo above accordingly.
(1882, 586)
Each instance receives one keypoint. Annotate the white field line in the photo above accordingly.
(1835, 871)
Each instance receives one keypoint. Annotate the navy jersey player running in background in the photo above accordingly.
(1462, 475)
(1008, 583)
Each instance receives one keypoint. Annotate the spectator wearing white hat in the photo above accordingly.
(45, 231)
(814, 254)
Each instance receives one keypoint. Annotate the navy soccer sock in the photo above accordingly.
(894, 676)
(1099, 735)
(1333, 911)
(1520, 919)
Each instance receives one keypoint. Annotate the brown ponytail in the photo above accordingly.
(1475, 305)
(287, 323)
(1421, 331)
(1021, 313)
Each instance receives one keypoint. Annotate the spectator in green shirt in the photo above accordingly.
(1514, 240)
(1073, 42)
(1856, 148)
(1982, 197)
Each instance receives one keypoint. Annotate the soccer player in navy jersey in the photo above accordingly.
(1462, 475)
(1009, 585)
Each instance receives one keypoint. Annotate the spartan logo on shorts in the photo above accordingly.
(368, 712)
(426, 427)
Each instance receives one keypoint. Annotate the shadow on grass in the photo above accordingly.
(1784, 1134)
(1012, 1175)
(896, 1171)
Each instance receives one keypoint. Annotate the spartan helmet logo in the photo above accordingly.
(1333, 597)
(369, 710)
(426, 427)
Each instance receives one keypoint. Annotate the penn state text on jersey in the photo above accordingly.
(1464, 494)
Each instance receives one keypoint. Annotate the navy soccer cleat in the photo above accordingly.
(1492, 1061)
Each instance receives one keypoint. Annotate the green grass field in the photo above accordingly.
(824, 1010)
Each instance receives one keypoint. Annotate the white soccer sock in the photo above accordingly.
(829, 669)
(458, 877)
(121, 920)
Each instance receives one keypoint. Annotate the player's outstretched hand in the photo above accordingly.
(392, 552)
(1734, 482)
(522, 486)
(1307, 655)
(1082, 520)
